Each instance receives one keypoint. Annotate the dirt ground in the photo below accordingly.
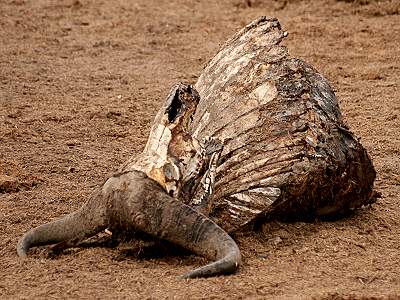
(80, 82)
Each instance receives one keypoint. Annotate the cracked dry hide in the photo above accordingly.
(287, 152)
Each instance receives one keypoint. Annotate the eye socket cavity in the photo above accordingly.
(182, 99)
(174, 105)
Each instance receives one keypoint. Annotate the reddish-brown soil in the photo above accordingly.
(80, 82)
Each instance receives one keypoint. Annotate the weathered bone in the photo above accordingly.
(137, 198)
(266, 139)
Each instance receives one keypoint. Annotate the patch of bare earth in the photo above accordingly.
(80, 82)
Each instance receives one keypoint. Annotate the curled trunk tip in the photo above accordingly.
(225, 266)
(85, 222)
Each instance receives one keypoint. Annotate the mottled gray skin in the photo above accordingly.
(287, 152)
(262, 138)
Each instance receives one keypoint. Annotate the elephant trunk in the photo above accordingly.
(135, 201)
(85, 222)
(146, 206)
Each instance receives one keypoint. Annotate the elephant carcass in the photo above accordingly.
(263, 138)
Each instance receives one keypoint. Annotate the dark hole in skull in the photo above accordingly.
(175, 106)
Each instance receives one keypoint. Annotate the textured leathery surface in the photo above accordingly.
(287, 152)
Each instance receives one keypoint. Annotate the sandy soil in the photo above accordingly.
(80, 82)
